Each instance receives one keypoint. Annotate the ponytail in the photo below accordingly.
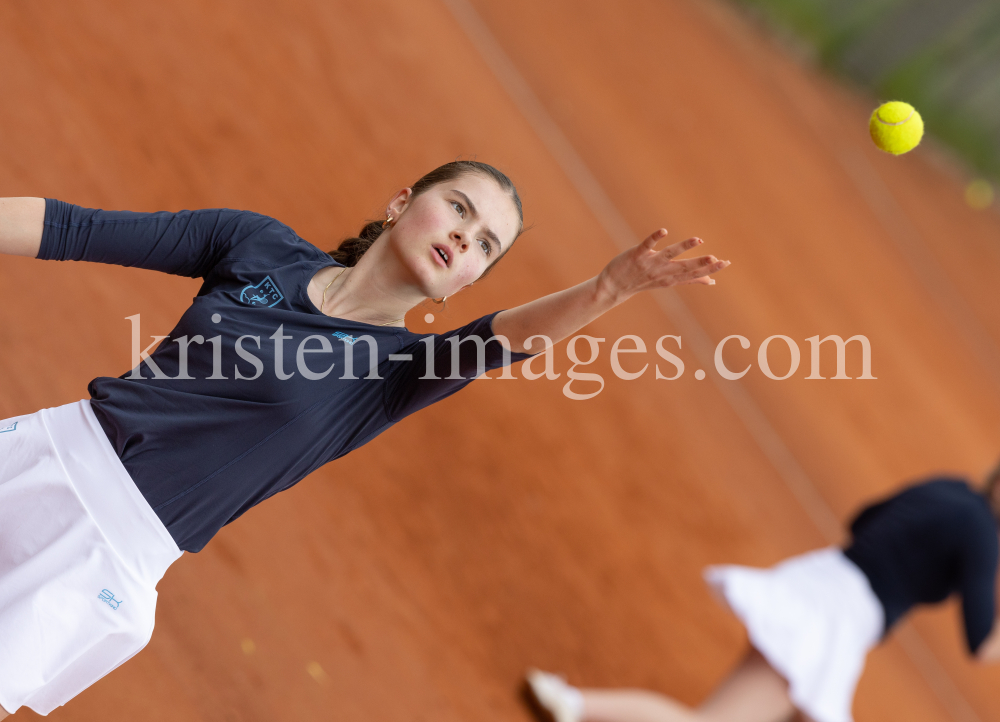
(350, 250)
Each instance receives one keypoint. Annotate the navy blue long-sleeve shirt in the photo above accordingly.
(251, 391)
(926, 543)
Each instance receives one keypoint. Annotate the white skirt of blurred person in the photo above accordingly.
(814, 617)
(81, 552)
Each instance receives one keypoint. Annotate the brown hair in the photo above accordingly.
(350, 250)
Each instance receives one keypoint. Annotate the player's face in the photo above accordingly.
(450, 234)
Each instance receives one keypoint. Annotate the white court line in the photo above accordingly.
(741, 402)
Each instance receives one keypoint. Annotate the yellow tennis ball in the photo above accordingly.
(896, 127)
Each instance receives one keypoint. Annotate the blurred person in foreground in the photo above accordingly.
(813, 618)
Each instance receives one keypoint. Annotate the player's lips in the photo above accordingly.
(443, 255)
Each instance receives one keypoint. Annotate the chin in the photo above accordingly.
(428, 283)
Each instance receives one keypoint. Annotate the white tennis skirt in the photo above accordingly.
(81, 553)
(814, 617)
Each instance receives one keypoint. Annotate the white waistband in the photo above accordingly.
(111, 497)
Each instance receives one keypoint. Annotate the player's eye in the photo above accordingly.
(458, 207)
(487, 248)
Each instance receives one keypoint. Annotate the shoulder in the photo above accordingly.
(933, 500)
(256, 235)
(947, 490)
(966, 509)
(976, 516)
(242, 221)
(949, 496)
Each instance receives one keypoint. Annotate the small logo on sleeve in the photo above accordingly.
(11, 427)
(108, 598)
(346, 338)
(265, 293)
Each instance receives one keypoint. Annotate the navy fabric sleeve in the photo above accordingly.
(186, 243)
(410, 387)
(978, 587)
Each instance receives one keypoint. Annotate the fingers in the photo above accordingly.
(700, 280)
(663, 270)
(686, 265)
(696, 270)
(677, 249)
(653, 238)
(707, 269)
(671, 251)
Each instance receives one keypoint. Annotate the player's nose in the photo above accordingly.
(460, 241)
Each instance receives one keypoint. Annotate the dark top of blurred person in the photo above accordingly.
(927, 542)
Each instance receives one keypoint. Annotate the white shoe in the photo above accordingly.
(551, 693)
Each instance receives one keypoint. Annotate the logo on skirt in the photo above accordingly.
(109, 599)
(12, 427)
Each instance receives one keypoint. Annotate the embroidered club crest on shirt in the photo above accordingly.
(265, 293)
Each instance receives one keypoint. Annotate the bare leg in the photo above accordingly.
(754, 692)
(633, 705)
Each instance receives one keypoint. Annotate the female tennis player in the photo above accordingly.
(812, 619)
(287, 359)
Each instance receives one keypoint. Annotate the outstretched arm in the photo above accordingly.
(638, 269)
(21, 221)
(185, 243)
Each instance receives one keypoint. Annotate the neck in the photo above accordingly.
(374, 291)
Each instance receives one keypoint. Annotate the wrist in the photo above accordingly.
(606, 293)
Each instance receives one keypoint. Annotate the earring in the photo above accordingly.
(388, 220)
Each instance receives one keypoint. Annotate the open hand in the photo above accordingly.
(641, 268)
